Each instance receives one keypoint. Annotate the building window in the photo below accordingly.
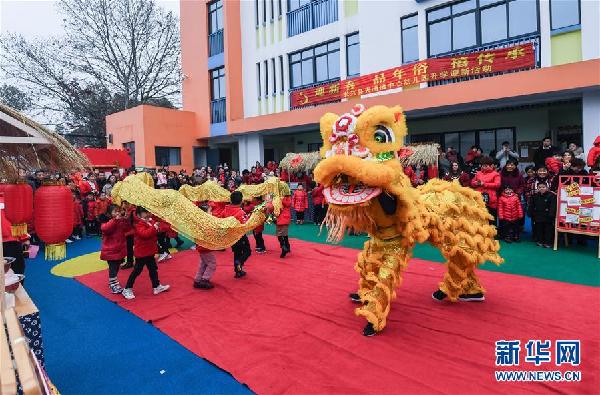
(295, 4)
(217, 86)
(313, 147)
(409, 26)
(279, 8)
(281, 79)
(274, 77)
(264, 11)
(130, 148)
(258, 79)
(352, 55)
(215, 16)
(488, 140)
(256, 16)
(167, 156)
(473, 23)
(272, 10)
(315, 64)
(266, 67)
(564, 13)
(305, 15)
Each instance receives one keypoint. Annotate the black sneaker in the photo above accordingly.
(507, 240)
(284, 252)
(208, 284)
(179, 244)
(478, 297)
(369, 330)
(127, 265)
(198, 284)
(438, 295)
(238, 275)
(355, 298)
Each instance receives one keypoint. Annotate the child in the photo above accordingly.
(318, 200)
(487, 181)
(300, 203)
(241, 248)
(164, 244)
(284, 219)
(77, 218)
(144, 248)
(510, 213)
(258, 231)
(101, 206)
(208, 263)
(132, 219)
(542, 210)
(114, 244)
(89, 208)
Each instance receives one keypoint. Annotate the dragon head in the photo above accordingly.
(360, 165)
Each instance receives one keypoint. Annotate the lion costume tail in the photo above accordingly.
(459, 225)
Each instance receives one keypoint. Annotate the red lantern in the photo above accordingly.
(18, 200)
(53, 218)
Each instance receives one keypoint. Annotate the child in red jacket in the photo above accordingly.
(319, 206)
(487, 181)
(241, 249)
(510, 213)
(300, 203)
(77, 218)
(89, 208)
(114, 244)
(284, 219)
(144, 249)
(208, 262)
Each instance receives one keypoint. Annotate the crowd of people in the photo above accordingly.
(131, 236)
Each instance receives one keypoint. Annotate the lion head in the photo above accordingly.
(361, 166)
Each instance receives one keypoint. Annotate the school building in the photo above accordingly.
(245, 63)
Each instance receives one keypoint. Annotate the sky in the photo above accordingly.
(34, 18)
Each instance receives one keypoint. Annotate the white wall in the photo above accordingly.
(590, 29)
(591, 118)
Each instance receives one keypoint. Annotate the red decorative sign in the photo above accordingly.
(578, 205)
(435, 69)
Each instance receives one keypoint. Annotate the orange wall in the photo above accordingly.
(194, 62)
(539, 81)
(150, 126)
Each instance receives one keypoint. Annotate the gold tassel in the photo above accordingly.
(56, 252)
(19, 229)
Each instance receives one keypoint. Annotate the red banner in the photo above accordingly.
(435, 69)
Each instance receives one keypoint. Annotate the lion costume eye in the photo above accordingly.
(383, 134)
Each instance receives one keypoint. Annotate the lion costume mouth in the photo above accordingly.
(345, 192)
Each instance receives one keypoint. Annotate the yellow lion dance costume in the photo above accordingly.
(368, 191)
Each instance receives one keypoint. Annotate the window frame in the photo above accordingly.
(569, 27)
(266, 67)
(218, 4)
(279, 9)
(274, 72)
(220, 74)
(258, 80)
(314, 63)
(272, 10)
(264, 12)
(402, 29)
(160, 147)
(281, 76)
(356, 33)
(478, 27)
(256, 13)
(442, 137)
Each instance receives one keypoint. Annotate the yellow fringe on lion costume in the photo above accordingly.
(368, 191)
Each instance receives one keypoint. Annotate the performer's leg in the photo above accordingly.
(460, 278)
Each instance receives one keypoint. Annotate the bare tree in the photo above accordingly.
(115, 54)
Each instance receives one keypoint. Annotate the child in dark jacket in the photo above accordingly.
(208, 262)
(241, 248)
(114, 244)
(542, 210)
(510, 213)
(144, 248)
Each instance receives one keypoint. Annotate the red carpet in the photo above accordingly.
(288, 327)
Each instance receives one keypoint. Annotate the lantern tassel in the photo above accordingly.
(19, 229)
(56, 252)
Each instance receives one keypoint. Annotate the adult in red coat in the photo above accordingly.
(300, 203)
(456, 174)
(487, 181)
(114, 245)
(283, 223)
(594, 152)
(318, 200)
(510, 214)
(144, 248)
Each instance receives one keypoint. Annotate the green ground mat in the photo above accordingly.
(575, 264)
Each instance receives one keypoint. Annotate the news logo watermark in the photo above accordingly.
(539, 353)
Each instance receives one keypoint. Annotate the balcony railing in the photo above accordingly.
(315, 85)
(315, 14)
(217, 111)
(535, 39)
(215, 43)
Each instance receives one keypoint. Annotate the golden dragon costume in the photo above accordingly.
(368, 191)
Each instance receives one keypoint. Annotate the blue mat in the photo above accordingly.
(92, 346)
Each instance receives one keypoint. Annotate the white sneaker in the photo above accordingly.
(68, 241)
(77, 238)
(128, 293)
(169, 256)
(160, 288)
(162, 257)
